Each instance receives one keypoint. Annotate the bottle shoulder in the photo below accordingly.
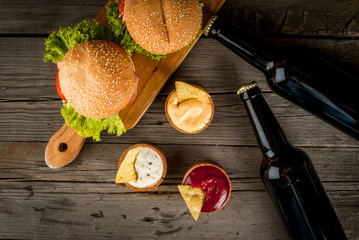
(284, 163)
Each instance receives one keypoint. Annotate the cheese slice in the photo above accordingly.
(194, 198)
(127, 171)
(185, 91)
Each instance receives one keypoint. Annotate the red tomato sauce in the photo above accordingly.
(213, 182)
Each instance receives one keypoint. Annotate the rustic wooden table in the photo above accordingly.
(82, 200)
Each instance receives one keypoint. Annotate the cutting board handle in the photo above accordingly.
(63, 147)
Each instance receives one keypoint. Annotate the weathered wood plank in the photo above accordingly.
(300, 17)
(81, 200)
(22, 161)
(341, 193)
(43, 17)
(305, 17)
(23, 75)
(70, 214)
(38, 121)
(42, 210)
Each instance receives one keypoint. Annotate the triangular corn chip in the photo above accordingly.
(185, 91)
(194, 198)
(127, 171)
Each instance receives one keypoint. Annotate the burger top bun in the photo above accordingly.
(163, 26)
(97, 78)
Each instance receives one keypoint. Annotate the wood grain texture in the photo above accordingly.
(98, 212)
(63, 147)
(298, 17)
(81, 201)
(36, 121)
(209, 64)
(22, 161)
(43, 17)
(107, 215)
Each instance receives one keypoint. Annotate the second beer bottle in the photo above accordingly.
(289, 176)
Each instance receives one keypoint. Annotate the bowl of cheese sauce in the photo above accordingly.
(191, 116)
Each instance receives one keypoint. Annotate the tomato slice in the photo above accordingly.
(118, 46)
(58, 89)
(121, 7)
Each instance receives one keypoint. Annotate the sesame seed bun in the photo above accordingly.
(163, 26)
(97, 78)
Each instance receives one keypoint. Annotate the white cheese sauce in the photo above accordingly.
(149, 168)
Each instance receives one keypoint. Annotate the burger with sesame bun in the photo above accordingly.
(158, 27)
(96, 78)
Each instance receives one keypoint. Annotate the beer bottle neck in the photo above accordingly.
(257, 52)
(269, 134)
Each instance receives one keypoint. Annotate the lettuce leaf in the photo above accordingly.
(197, 36)
(60, 41)
(91, 127)
(121, 34)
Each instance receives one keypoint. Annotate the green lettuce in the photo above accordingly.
(118, 27)
(197, 36)
(57, 45)
(60, 41)
(91, 127)
(121, 34)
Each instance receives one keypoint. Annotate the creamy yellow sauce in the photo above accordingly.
(191, 115)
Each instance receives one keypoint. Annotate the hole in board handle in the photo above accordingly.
(62, 147)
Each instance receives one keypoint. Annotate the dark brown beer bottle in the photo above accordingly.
(299, 76)
(289, 176)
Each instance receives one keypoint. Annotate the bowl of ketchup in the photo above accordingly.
(213, 181)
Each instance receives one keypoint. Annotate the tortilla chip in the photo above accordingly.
(185, 91)
(194, 198)
(127, 171)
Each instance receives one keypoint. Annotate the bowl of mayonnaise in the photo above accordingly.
(145, 161)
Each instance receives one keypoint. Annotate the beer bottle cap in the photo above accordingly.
(247, 87)
(209, 25)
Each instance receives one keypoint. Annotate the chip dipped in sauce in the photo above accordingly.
(142, 167)
(191, 115)
(189, 108)
(213, 181)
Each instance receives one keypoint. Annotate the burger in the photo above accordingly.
(96, 78)
(156, 27)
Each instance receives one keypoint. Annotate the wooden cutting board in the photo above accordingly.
(65, 145)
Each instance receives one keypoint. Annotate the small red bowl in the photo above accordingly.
(212, 165)
(164, 161)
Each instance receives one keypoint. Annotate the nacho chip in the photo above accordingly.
(185, 91)
(127, 171)
(194, 198)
